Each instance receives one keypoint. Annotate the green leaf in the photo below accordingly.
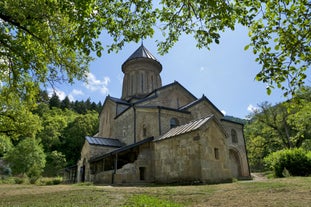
(99, 53)
(268, 90)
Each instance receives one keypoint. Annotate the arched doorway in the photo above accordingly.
(82, 171)
(235, 164)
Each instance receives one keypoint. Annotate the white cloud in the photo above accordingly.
(94, 84)
(77, 92)
(61, 94)
(74, 93)
(252, 108)
(71, 98)
(202, 68)
(224, 112)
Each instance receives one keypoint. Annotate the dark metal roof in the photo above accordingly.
(121, 149)
(117, 100)
(101, 141)
(142, 52)
(191, 126)
(234, 120)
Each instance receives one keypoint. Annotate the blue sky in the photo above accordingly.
(224, 74)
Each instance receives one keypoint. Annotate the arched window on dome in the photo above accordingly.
(174, 122)
(142, 82)
(234, 136)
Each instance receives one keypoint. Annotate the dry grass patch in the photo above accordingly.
(275, 192)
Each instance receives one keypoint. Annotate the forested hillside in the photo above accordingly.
(277, 127)
(46, 138)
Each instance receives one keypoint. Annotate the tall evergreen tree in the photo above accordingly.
(66, 104)
(54, 101)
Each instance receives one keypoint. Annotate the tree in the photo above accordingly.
(17, 121)
(74, 135)
(55, 101)
(55, 162)
(5, 144)
(300, 120)
(54, 121)
(80, 107)
(27, 158)
(280, 37)
(43, 97)
(66, 104)
(48, 41)
(264, 134)
(283, 126)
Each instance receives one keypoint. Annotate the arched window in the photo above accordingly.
(234, 136)
(174, 122)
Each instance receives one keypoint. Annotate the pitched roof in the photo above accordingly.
(153, 94)
(234, 120)
(191, 104)
(118, 100)
(101, 141)
(122, 149)
(203, 98)
(141, 52)
(191, 126)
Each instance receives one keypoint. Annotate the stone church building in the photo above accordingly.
(161, 134)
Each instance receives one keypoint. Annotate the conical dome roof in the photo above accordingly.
(141, 52)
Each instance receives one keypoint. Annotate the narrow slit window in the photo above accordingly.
(144, 131)
(234, 136)
(142, 171)
(216, 153)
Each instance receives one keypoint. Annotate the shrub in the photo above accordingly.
(7, 180)
(295, 162)
(21, 180)
(27, 158)
(49, 181)
(84, 184)
(55, 162)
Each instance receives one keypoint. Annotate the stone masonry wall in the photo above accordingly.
(204, 109)
(214, 154)
(190, 157)
(173, 97)
(106, 119)
(239, 146)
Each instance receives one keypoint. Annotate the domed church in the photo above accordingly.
(160, 134)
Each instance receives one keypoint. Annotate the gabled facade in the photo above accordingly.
(161, 134)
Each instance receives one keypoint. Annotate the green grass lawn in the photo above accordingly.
(293, 191)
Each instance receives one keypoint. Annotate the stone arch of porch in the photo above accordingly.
(235, 162)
